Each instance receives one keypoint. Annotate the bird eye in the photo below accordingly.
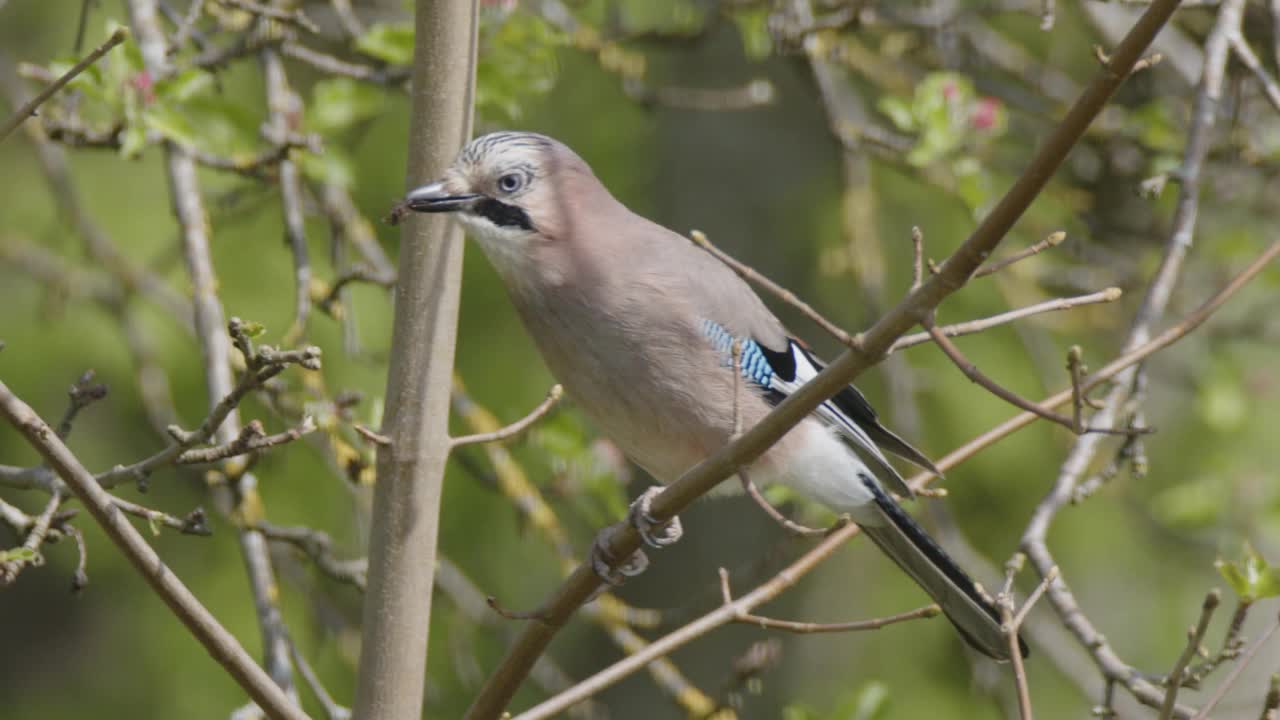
(510, 182)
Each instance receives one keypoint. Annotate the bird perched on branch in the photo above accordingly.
(669, 353)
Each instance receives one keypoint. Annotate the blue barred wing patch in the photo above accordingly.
(781, 372)
(755, 366)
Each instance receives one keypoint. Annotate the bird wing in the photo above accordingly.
(781, 372)
(770, 357)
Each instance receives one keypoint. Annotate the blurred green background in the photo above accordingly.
(771, 185)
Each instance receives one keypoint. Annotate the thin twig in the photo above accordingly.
(741, 615)
(971, 371)
(82, 394)
(1232, 644)
(1053, 240)
(1270, 88)
(284, 115)
(252, 438)
(187, 26)
(391, 77)
(917, 258)
(1032, 599)
(318, 546)
(1019, 670)
(974, 326)
(787, 524)
(296, 18)
(1271, 704)
(29, 109)
(1075, 369)
(516, 428)
(217, 641)
(193, 524)
(1126, 360)
(749, 274)
(1205, 109)
(1221, 691)
(332, 709)
(1195, 637)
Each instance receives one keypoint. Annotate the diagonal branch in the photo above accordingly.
(29, 108)
(867, 349)
(220, 644)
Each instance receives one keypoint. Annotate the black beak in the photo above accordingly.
(434, 199)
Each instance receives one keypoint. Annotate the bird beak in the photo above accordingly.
(434, 198)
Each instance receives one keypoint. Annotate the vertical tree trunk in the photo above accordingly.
(411, 470)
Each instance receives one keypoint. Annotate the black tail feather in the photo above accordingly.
(941, 562)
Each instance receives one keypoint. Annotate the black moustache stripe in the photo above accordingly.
(502, 214)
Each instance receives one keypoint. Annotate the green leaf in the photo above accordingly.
(253, 329)
(753, 29)
(185, 85)
(341, 102)
(517, 62)
(132, 140)
(898, 111)
(171, 124)
(389, 42)
(211, 123)
(333, 167)
(156, 523)
(18, 554)
(1252, 578)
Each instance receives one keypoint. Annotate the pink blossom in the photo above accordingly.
(145, 86)
(984, 114)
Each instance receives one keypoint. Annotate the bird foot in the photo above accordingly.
(653, 533)
(603, 562)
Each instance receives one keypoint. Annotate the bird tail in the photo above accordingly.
(908, 545)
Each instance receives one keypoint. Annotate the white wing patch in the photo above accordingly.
(764, 368)
(845, 425)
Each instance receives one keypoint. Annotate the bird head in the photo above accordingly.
(511, 190)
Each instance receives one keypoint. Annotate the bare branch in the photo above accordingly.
(1053, 240)
(252, 438)
(193, 524)
(332, 709)
(787, 524)
(292, 17)
(217, 641)
(1195, 636)
(1230, 679)
(516, 428)
(82, 394)
(805, 628)
(318, 546)
(29, 109)
(1084, 449)
(749, 274)
(975, 375)
(974, 326)
(391, 77)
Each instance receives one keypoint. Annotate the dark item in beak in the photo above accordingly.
(432, 199)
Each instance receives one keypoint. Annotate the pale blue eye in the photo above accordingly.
(510, 182)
